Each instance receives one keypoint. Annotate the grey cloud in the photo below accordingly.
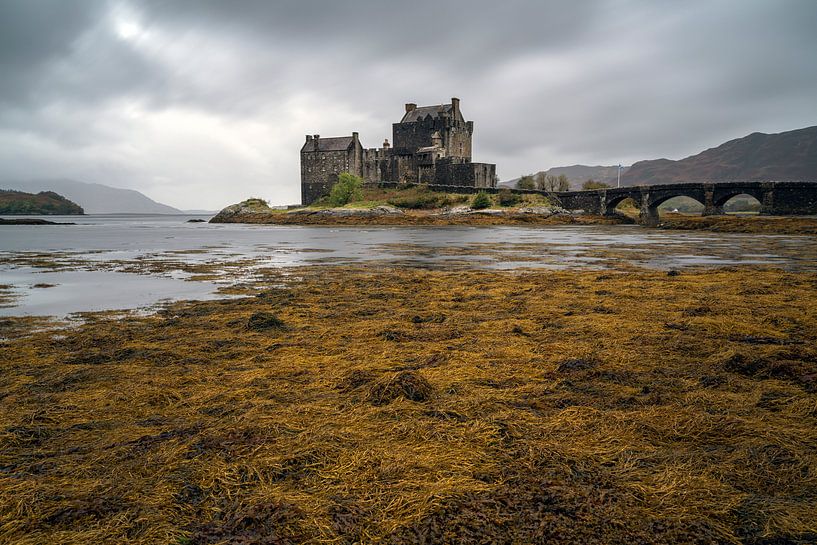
(547, 82)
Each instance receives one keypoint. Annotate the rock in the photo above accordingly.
(382, 210)
(302, 212)
(241, 211)
(387, 209)
(455, 211)
(543, 210)
(197, 220)
(488, 212)
(546, 211)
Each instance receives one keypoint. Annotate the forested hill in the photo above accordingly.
(44, 202)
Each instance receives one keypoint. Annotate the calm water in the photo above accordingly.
(105, 262)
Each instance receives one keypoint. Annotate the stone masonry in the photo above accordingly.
(432, 145)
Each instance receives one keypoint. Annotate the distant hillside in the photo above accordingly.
(97, 198)
(45, 202)
(578, 174)
(788, 155)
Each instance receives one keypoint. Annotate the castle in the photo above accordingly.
(432, 145)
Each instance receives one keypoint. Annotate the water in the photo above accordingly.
(108, 262)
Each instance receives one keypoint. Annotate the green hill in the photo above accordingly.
(44, 202)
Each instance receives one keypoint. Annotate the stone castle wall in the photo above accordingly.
(446, 159)
(453, 173)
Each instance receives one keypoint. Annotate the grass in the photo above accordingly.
(403, 405)
(419, 197)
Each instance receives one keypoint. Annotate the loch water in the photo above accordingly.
(57, 270)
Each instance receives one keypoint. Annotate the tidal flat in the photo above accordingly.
(376, 404)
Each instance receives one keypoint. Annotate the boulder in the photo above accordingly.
(241, 211)
(382, 210)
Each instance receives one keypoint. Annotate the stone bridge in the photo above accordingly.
(776, 198)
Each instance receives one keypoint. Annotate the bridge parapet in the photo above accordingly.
(776, 198)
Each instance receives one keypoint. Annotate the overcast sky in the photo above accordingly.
(199, 104)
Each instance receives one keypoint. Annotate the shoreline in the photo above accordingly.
(535, 216)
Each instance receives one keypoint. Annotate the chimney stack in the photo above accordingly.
(355, 137)
(386, 144)
(455, 106)
(410, 107)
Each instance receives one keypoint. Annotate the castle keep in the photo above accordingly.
(432, 145)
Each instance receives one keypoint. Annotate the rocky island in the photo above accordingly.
(42, 203)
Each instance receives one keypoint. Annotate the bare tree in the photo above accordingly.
(552, 182)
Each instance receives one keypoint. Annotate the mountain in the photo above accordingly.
(578, 174)
(96, 198)
(45, 202)
(786, 156)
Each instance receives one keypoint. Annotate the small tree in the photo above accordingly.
(592, 184)
(526, 182)
(506, 197)
(481, 200)
(348, 188)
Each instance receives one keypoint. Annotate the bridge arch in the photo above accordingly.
(659, 195)
(755, 201)
(726, 196)
(611, 200)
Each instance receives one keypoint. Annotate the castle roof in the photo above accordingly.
(339, 143)
(420, 113)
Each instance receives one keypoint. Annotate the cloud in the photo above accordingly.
(202, 103)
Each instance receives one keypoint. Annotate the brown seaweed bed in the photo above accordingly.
(377, 405)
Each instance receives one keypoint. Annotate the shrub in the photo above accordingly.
(419, 200)
(481, 200)
(506, 197)
(592, 184)
(348, 188)
(526, 182)
(420, 197)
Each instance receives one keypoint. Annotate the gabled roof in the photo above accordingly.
(420, 113)
(339, 143)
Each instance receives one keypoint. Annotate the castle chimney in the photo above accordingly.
(455, 106)
(386, 144)
(410, 107)
(316, 136)
(355, 137)
(308, 137)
